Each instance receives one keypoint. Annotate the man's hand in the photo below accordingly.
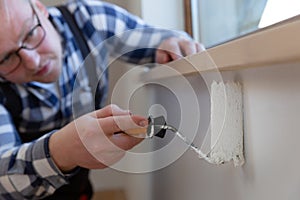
(90, 141)
(174, 48)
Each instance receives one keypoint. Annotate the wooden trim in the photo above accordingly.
(270, 46)
(188, 23)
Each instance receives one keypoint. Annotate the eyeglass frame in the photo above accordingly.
(23, 46)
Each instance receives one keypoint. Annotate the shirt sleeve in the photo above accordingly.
(26, 170)
(124, 35)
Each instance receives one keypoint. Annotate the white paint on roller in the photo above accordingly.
(226, 123)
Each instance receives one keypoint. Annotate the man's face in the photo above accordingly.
(37, 61)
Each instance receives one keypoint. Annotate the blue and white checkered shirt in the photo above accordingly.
(26, 169)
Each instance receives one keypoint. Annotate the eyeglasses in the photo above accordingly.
(32, 40)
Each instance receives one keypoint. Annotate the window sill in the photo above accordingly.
(273, 45)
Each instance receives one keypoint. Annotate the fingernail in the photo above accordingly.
(143, 123)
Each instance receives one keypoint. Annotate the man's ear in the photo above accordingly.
(42, 8)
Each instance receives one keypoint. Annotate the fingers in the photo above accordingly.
(162, 56)
(175, 48)
(111, 110)
(167, 51)
(189, 47)
(113, 124)
(125, 141)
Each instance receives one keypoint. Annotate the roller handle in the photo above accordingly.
(153, 128)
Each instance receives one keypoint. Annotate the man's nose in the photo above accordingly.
(30, 58)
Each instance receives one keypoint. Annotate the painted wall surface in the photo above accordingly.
(271, 122)
(165, 14)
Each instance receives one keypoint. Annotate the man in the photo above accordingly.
(43, 149)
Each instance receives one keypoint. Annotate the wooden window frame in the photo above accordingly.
(188, 21)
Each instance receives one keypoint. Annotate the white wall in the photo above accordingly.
(271, 124)
(166, 14)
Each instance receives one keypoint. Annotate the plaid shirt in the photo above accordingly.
(26, 169)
